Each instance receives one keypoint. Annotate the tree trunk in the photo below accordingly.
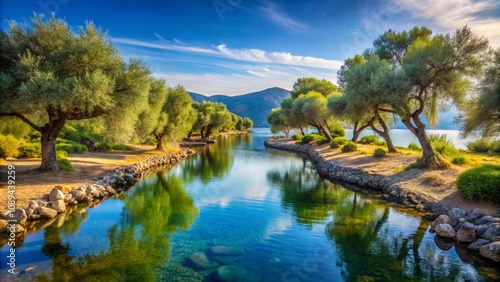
(159, 142)
(49, 160)
(302, 131)
(208, 132)
(326, 131)
(50, 132)
(384, 132)
(429, 158)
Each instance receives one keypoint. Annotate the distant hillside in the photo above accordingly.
(254, 105)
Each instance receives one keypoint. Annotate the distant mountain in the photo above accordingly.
(256, 105)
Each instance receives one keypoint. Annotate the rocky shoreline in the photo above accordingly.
(63, 199)
(479, 232)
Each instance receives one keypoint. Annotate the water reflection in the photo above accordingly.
(138, 243)
(373, 242)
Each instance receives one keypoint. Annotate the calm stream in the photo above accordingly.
(291, 225)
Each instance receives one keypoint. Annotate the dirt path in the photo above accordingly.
(33, 184)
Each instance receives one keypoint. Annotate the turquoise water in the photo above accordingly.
(291, 225)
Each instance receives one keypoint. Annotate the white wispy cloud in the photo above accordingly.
(480, 15)
(249, 55)
(276, 15)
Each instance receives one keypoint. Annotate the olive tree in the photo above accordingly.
(312, 108)
(278, 122)
(50, 74)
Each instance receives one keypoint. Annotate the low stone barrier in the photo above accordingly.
(479, 232)
(61, 198)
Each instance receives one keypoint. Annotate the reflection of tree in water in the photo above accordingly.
(138, 244)
(368, 248)
(212, 162)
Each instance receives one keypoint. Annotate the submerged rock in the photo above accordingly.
(223, 259)
(226, 251)
(234, 273)
(201, 261)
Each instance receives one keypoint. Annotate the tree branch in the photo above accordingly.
(23, 118)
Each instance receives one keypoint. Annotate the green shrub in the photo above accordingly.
(65, 164)
(442, 145)
(460, 160)
(368, 139)
(9, 146)
(61, 154)
(308, 138)
(484, 146)
(414, 147)
(72, 148)
(105, 147)
(121, 147)
(70, 133)
(349, 147)
(338, 132)
(337, 141)
(445, 164)
(379, 153)
(480, 183)
(380, 143)
(296, 137)
(30, 150)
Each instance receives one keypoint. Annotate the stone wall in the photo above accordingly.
(61, 198)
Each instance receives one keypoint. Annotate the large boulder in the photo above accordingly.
(47, 212)
(55, 195)
(442, 219)
(59, 206)
(201, 261)
(477, 244)
(455, 215)
(492, 231)
(445, 230)
(20, 216)
(491, 251)
(467, 233)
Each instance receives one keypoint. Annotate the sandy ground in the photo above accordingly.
(33, 184)
(438, 185)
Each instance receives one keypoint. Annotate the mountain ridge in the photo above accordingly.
(255, 105)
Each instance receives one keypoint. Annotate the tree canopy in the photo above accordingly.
(50, 74)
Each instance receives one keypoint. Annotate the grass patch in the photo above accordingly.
(460, 160)
(480, 183)
(414, 147)
(415, 165)
(433, 179)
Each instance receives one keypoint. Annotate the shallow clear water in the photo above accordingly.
(291, 224)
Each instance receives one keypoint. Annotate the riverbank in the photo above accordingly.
(31, 184)
(425, 190)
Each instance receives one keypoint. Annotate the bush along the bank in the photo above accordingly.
(480, 183)
(296, 137)
(369, 139)
(484, 146)
(349, 147)
(379, 153)
(313, 138)
(61, 198)
(337, 141)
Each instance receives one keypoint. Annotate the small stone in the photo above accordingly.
(473, 215)
(32, 205)
(491, 251)
(59, 206)
(477, 244)
(226, 251)
(420, 207)
(55, 195)
(201, 261)
(47, 212)
(445, 230)
(467, 233)
(484, 220)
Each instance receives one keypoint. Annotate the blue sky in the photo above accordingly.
(239, 46)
